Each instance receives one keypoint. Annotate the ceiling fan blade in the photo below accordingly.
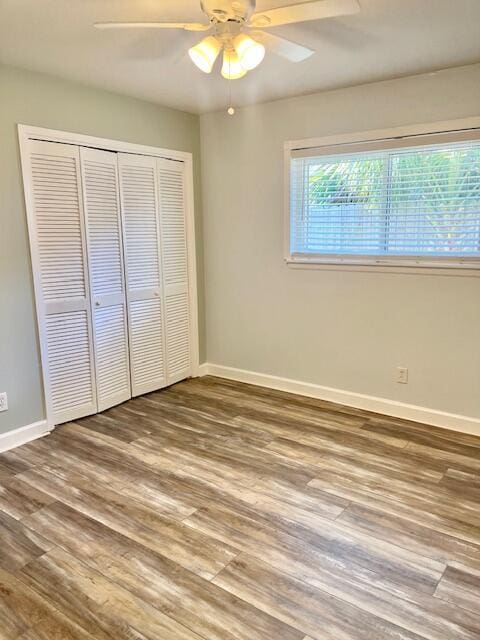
(283, 47)
(303, 12)
(187, 26)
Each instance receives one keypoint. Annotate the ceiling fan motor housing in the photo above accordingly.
(225, 10)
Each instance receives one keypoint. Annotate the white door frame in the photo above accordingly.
(26, 133)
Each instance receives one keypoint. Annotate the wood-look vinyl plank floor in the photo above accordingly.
(214, 510)
(155, 530)
(18, 498)
(24, 613)
(460, 585)
(19, 544)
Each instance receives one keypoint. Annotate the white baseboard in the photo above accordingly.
(203, 370)
(22, 435)
(455, 422)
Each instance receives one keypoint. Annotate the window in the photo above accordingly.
(406, 201)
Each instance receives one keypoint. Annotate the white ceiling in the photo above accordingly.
(389, 38)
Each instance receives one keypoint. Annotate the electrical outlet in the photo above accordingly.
(402, 375)
(3, 402)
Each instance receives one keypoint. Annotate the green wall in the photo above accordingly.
(40, 100)
(343, 328)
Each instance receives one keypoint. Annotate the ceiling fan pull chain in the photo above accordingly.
(231, 108)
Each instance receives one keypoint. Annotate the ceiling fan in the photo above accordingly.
(238, 30)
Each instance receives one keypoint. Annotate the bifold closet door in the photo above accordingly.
(105, 265)
(171, 189)
(57, 238)
(139, 198)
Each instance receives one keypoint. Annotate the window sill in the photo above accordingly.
(464, 268)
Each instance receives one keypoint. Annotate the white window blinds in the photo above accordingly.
(420, 201)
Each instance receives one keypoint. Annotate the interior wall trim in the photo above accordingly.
(203, 370)
(22, 435)
(385, 406)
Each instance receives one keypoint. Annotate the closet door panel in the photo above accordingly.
(57, 238)
(107, 287)
(171, 181)
(147, 345)
(143, 272)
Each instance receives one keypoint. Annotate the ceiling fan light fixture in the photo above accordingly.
(250, 53)
(231, 68)
(204, 54)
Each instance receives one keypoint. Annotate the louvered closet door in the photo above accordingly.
(57, 239)
(171, 187)
(105, 265)
(143, 272)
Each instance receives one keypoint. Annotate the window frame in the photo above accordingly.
(466, 266)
